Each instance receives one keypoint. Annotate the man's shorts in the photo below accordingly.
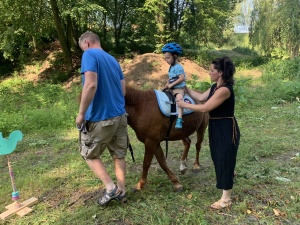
(110, 133)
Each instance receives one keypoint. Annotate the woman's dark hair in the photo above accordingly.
(226, 66)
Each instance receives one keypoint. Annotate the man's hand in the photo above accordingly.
(79, 119)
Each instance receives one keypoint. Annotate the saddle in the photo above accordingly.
(165, 99)
(167, 105)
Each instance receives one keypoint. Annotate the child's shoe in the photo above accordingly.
(178, 123)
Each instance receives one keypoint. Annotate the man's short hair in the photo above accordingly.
(89, 35)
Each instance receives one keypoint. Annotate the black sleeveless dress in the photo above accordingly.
(224, 138)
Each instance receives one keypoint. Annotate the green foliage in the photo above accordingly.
(288, 69)
(241, 90)
(245, 51)
(275, 27)
(282, 77)
(205, 21)
(123, 26)
(281, 91)
(25, 23)
(240, 56)
(194, 83)
(30, 107)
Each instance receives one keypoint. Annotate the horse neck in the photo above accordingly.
(134, 96)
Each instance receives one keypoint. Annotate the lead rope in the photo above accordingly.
(130, 148)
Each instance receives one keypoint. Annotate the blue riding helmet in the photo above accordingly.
(173, 48)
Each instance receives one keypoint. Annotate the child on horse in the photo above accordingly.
(176, 75)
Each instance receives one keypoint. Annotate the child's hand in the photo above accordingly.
(169, 86)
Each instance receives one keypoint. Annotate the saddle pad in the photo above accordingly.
(165, 104)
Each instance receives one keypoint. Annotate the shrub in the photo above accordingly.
(245, 50)
(288, 69)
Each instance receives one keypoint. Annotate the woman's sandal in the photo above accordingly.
(122, 198)
(107, 197)
(221, 204)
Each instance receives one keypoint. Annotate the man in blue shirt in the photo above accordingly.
(101, 118)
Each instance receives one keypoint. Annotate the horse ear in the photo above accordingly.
(79, 97)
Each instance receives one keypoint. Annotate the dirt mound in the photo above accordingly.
(151, 70)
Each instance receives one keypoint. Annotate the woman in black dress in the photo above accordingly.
(224, 134)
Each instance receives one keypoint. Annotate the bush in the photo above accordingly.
(245, 51)
(197, 85)
(248, 60)
(283, 79)
(288, 69)
(35, 107)
(284, 90)
(241, 90)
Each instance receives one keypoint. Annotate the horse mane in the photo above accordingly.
(134, 96)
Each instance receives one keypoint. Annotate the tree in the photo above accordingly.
(24, 23)
(205, 21)
(275, 26)
(62, 36)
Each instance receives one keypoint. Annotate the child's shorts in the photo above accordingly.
(176, 91)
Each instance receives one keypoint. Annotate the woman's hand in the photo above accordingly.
(181, 103)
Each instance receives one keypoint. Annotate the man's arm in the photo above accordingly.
(88, 93)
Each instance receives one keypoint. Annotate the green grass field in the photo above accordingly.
(47, 165)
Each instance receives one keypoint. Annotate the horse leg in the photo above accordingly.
(200, 137)
(159, 154)
(183, 162)
(146, 165)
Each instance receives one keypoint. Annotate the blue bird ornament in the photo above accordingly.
(7, 146)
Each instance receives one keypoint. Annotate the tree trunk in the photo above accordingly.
(34, 43)
(61, 35)
(295, 52)
(160, 22)
(171, 12)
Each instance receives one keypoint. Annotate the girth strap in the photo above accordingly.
(173, 116)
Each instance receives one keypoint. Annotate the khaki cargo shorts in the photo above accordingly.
(110, 133)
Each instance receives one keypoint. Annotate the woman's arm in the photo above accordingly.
(201, 97)
(217, 99)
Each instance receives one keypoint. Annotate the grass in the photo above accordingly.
(47, 165)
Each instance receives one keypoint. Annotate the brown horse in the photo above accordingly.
(151, 126)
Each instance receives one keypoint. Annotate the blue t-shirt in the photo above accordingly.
(109, 100)
(175, 71)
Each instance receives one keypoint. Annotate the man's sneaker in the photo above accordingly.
(178, 123)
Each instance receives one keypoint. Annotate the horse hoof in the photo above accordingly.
(196, 169)
(135, 190)
(183, 171)
(179, 188)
